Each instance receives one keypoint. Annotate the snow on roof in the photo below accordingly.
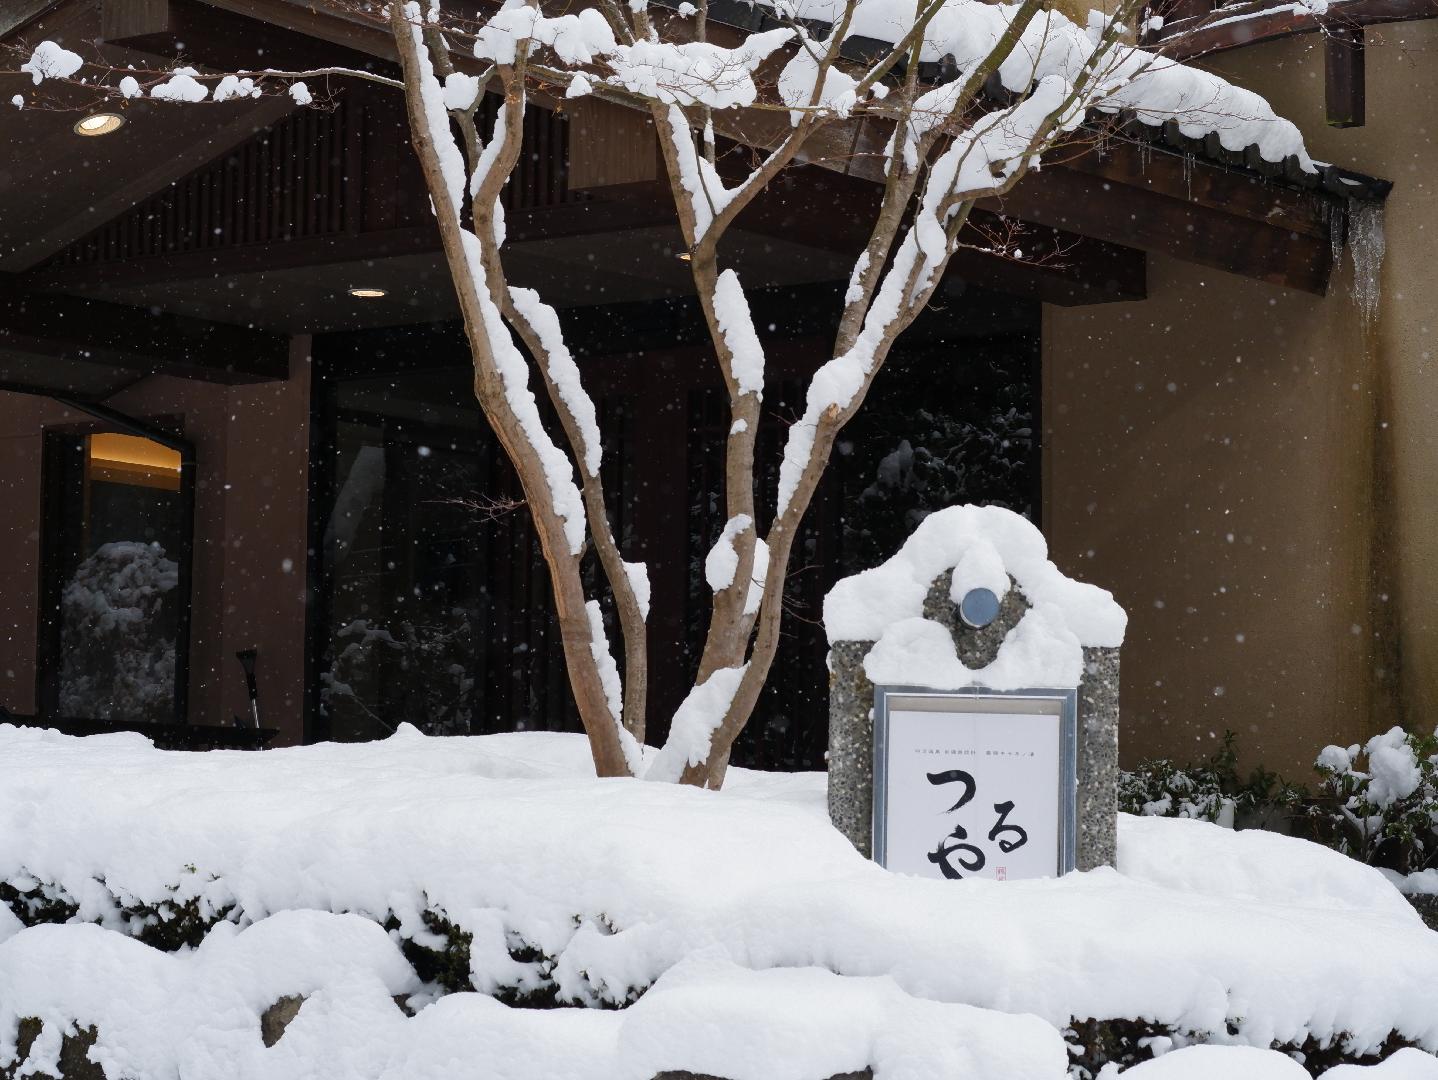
(1154, 89)
(984, 546)
(1213, 118)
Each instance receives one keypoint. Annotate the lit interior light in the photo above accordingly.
(367, 293)
(99, 124)
(129, 459)
(684, 256)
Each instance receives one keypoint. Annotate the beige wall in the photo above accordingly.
(252, 446)
(1397, 142)
(1253, 475)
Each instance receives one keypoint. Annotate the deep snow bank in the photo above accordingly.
(615, 883)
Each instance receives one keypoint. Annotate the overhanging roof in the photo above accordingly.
(1135, 189)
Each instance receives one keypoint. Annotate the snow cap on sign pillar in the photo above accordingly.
(983, 549)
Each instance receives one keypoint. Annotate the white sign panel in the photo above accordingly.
(974, 783)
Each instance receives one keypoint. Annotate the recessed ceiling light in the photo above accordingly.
(367, 293)
(99, 124)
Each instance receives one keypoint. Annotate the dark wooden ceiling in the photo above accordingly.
(255, 218)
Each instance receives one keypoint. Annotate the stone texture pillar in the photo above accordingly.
(1098, 759)
(851, 743)
(851, 726)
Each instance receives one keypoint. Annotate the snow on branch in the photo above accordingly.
(50, 61)
(1114, 77)
(688, 73)
(563, 371)
(722, 562)
(508, 360)
(613, 693)
(746, 354)
(181, 84)
(638, 575)
(514, 373)
(695, 721)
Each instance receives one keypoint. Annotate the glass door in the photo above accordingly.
(115, 576)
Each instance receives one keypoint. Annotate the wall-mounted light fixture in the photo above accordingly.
(102, 123)
(367, 293)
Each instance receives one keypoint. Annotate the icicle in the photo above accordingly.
(1366, 246)
(1188, 174)
(1337, 223)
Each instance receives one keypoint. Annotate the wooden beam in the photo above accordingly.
(1235, 25)
(123, 19)
(68, 327)
(1206, 184)
(18, 14)
(833, 213)
(1343, 76)
(522, 226)
(334, 26)
(1161, 223)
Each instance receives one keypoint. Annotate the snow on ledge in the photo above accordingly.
(984, 546)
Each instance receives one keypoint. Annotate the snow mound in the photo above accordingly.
(1253, 1063)
(984, 546)
(198, 1015)
(1189, 855)
(734, 898)
(710, 1017)
(188, 1013)
(1407, 1064)
(1212, 1062)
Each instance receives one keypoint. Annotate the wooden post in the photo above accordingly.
(1343, 76)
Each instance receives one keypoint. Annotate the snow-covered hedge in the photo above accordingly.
(1386, 794)
(743, 935)
(1376, 802)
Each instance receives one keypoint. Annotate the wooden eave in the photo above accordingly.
(1099, 206)
(1226, 210)
(1196, 33)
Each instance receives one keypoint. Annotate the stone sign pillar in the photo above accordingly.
(852, 698)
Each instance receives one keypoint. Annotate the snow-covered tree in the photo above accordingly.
(117, 638)
(1016, 80)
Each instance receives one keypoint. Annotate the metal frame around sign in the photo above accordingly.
(1068, 756)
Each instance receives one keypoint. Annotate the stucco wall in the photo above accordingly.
(1204, 459)
(1253, 474)
(1397, 142)
(252, 448)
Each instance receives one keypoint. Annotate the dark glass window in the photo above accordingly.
(435, 599)
(433, 604)
(113, 556)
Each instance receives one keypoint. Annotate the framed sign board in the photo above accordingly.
(975, 782)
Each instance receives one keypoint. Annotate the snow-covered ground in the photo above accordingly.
(763, 946)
